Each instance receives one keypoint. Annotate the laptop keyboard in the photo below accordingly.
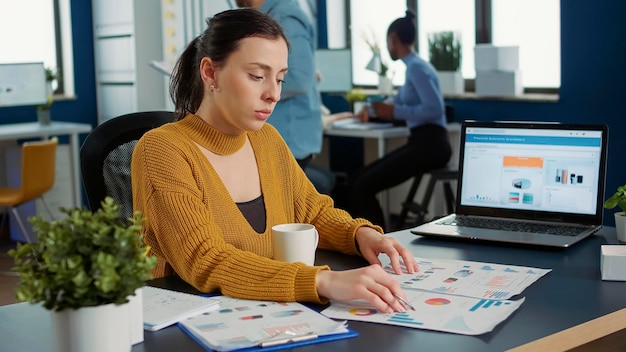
(508, 225)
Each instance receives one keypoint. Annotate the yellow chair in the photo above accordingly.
(38, 169)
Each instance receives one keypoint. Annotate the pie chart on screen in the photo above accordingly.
(437, 301)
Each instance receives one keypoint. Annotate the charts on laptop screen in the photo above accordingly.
(553, 170)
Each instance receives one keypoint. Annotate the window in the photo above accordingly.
(533, 25)
(435, 16)
(362, 26)
(44, 29)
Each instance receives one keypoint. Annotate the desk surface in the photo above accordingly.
(391, 132)
(571, 294)
(34, 129)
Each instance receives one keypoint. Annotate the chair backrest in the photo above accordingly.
(106, 153)
(38, 167)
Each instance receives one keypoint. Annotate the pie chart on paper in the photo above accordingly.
(437, 301)
(361, 312)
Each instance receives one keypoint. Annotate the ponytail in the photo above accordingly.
(186, 86)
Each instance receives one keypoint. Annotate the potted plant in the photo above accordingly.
(618, 199)
(445, 55)
(356, 99)
(43, 110)
(84, 268)
(378, 65)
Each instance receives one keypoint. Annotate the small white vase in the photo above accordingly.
(385, 85)
(96, 329)
(620, 226)
(43, 117)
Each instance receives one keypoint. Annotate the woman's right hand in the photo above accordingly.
(370, 283)
(363, 115)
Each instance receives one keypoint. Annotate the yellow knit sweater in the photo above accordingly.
(197, 231)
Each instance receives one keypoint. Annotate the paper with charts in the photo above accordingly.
(472, 279)
(240, 324)
(433, 311)
(462, 297)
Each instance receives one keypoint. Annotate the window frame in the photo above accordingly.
(484, 35)
(58, 38)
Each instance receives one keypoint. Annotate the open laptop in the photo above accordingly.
(527, 183)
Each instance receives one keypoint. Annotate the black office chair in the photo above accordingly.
(106, 154)
(420, 210)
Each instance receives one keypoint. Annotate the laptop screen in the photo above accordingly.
(523, 168)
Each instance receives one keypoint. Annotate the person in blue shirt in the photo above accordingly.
(420, 103)
(297, 115)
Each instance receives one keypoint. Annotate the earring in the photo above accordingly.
(212, 88)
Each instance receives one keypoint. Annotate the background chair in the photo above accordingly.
(37, 177)
(420, 210)
(106, 154)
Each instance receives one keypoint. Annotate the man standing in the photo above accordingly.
(297, 114)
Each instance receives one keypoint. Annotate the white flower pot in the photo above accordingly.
(135, 312)
(451, 82)
(385, 85)
(96, 329)
(620, 226)
(43, 117)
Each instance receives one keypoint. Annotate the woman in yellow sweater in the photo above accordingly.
(212, 184)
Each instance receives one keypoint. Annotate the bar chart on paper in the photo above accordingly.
(455, 296)
(472, 279)
(433, 311)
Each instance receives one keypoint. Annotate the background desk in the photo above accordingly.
(382, 137)
(55, 128)
(569, 295)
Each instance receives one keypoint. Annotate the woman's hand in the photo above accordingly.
(382, 110)
(363, 115)
(372, 243)
(370, 283)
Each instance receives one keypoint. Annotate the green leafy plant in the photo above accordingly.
(445, 50)
(355, 94)
(85, 259)
(51, 76)
(617, 200)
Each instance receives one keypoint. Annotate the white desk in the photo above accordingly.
(382, 134)
(55, 128)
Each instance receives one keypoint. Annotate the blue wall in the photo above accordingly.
(593, 80)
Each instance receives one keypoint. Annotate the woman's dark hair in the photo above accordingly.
(222, 37)
(404, 28)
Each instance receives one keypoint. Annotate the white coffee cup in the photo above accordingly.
(295, 243)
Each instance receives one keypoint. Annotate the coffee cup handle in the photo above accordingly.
(317, 238)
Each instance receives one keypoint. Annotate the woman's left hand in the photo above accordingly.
(382, 110)
(372, 243)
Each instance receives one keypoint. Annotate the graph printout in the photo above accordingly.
(471, 279)
(433, 311)
(245, 324)
(456, 296)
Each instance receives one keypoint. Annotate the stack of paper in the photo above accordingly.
(162, 308)
(243, 324)
(455, 296)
